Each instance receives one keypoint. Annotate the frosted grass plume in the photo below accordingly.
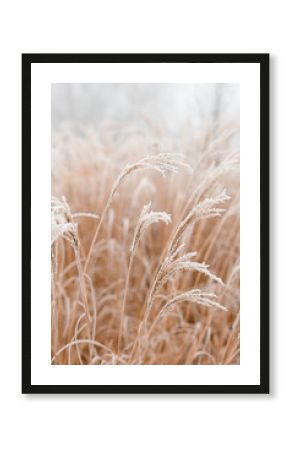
(62, 222)
(146, 219)
(194, 296)
(163, 163)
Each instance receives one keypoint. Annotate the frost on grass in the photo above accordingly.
(146, 219)
(107, 299)
(193, 296)
(61, 220)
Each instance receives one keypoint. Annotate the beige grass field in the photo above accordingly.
(145, 245)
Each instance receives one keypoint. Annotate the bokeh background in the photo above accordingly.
(172, 106)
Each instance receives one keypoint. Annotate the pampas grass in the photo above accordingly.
(153, 284)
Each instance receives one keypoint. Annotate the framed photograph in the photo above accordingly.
(145, 223)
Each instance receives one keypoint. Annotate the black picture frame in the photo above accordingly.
(27, 61)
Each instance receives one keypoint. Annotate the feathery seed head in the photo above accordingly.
(146, 219)
(194, 296)
(61, 221)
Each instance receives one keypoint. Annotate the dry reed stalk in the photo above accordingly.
(146, 219)
(62, 225)
(162, 163)
(171, 262)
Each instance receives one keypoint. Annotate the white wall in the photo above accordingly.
(203, 422)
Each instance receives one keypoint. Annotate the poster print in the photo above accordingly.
(148, 226)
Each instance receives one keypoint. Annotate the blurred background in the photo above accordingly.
(172, 106)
